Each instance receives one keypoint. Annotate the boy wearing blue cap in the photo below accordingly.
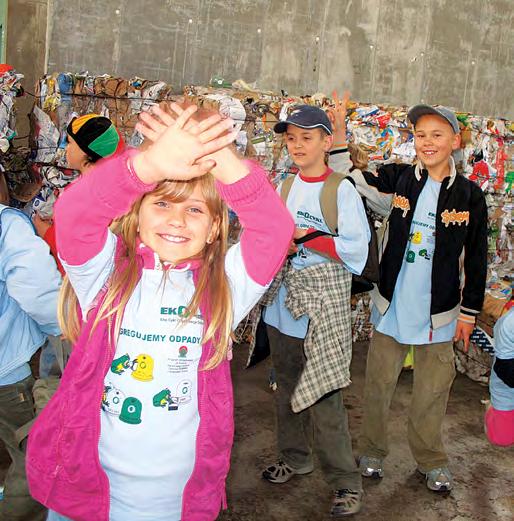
(436, 232)
(308, 317)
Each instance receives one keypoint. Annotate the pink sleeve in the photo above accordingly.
(267, 224)
(499, 427)
(88, 206)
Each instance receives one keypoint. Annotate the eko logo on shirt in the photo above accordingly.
(179, 311)
(309, 217)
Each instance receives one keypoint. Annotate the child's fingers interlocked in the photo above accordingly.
(215, 130)
(198, 127)
(183, 115)
(202, 167)
(213, 145)
(162, 115)
(150, 126)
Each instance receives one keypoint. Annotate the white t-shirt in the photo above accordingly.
(149, 411)
(351, 244)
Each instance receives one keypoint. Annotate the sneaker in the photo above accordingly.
(439, 479)
(371, 467)
(281, 472)
(346, 502)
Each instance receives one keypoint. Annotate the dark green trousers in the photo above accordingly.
(16, 409)
(322, 428)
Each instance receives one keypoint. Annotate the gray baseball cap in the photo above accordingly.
(422, 110)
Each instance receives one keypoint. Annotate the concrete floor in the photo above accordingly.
(484, 475)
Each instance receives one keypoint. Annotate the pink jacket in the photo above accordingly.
(63, 467)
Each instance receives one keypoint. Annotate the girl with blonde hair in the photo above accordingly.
(142, 425)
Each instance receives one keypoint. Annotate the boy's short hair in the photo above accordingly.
(305, 116)
(422, 110)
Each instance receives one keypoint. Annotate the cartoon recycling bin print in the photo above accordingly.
(119, 365)
(131, 411)
(112, 400)
(183, 394)
(142, 368)
(417, 237)
(411, 256)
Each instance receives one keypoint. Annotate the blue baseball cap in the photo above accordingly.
(305, 116)
(422, 110)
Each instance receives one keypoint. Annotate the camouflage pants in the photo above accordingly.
(16, 409)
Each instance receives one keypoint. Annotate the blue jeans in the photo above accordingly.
(54, 516)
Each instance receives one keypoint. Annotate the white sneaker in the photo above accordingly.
(371, 467)
(439, 479)
(281, 472)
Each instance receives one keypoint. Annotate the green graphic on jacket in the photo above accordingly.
(119, 365)
(411, 256)
(131, 411)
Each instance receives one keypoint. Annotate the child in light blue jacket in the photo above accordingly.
(29, 285)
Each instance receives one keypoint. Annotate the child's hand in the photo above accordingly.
(463, 332)
(40, 225)
(179, 144)
(337, 116)
(300, 233)
(293, 249)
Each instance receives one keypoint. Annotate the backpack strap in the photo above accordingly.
(328, 200)
(327, 197)
(285, 187)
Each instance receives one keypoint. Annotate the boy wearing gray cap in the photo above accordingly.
(308, 317)
(436, 232)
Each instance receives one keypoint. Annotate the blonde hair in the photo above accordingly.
(212, 285)
(358, 156)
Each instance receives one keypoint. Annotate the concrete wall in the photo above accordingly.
(454, 52)
(25, 51)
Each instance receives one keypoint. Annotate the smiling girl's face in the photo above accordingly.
(176, 231)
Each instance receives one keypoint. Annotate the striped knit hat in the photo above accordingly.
(95, 135)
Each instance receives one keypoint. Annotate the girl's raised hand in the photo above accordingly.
(179, 144)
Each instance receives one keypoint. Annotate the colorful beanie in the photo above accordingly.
(95, 135)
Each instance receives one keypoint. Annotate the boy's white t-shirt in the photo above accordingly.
(351, 244)
(149, 411)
